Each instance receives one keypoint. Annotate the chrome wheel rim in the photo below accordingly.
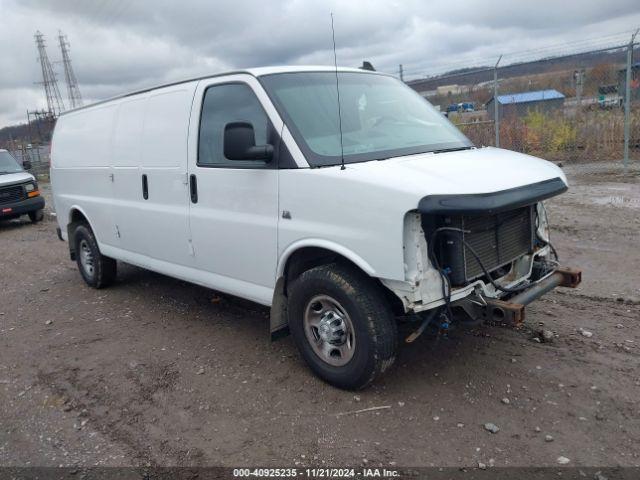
(329, 330)
(86, 258)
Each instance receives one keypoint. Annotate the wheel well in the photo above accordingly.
(309, 257)
(76, 217)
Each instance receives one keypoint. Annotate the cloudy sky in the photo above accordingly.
(120, 45)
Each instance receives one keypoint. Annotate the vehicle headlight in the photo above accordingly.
(542, 227)
(29, 187)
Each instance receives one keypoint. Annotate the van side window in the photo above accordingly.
(223, 104)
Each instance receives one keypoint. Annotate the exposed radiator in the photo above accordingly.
(497, 239)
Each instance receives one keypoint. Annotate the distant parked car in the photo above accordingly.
(19, 194)
(461, 107)
(466, 107)
(610, 101)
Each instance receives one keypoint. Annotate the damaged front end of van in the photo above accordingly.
(483, 256)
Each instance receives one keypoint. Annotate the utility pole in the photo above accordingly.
(496, 110)
(54, 99)
(627, 101)
(75, 98)
(578, 76)
(401, 71)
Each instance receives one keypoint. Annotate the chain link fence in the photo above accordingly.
(568, 108)
(39, 158)
(592, 135)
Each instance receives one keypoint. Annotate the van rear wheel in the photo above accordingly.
(97, 270)
(343, 326)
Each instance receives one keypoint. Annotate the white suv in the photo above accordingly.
(340, 217)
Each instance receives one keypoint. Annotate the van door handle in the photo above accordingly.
(145, 187)
(193, 187)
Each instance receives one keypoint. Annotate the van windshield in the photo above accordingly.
(381, 117)
(8, 164)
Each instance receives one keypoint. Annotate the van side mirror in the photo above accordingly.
(26, 164)
(240, 143)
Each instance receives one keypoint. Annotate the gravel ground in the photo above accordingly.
(157, 371)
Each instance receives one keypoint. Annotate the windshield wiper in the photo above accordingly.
(452, 149)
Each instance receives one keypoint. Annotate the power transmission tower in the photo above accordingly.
(75, 98)
(54, 99)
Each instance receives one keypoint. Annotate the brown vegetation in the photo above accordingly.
(589, 135)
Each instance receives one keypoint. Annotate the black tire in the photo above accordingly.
(375, 335)
(36, 216)
(104, 269)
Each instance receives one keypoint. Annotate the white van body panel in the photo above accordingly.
(80, 155)
(126, 169)
(255, 293)
(479, 170)
(164, 216)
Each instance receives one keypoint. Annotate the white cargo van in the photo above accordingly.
(342, 220)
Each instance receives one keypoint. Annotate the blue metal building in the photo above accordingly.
(519, 104)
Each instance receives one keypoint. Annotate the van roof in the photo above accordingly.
(256, 72)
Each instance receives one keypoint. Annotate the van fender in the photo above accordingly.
(279, 319)
(327, 245)
(71, 225)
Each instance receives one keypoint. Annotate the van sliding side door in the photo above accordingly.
(127, 204)
(161, 186)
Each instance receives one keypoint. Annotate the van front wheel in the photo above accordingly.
(342, 325)
(97, 270)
